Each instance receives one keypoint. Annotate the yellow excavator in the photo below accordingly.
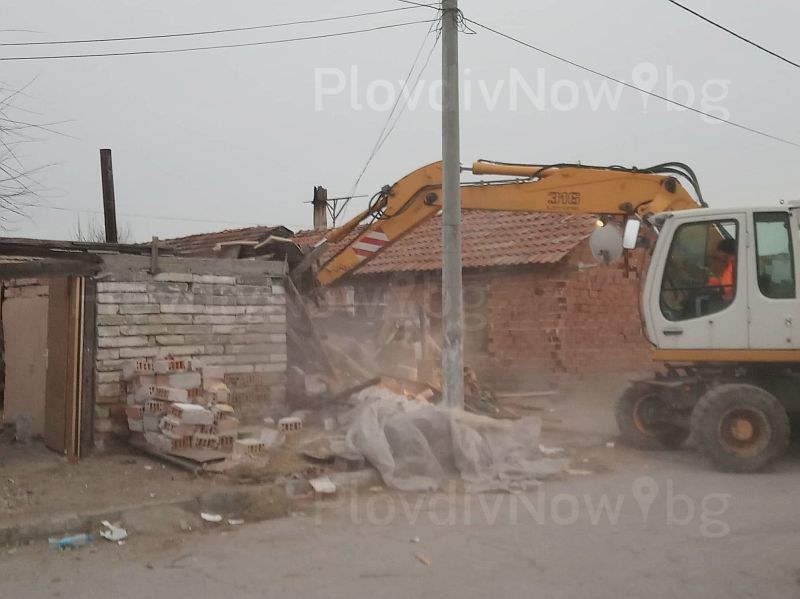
(719, 300)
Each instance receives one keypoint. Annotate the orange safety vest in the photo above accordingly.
(725, 280)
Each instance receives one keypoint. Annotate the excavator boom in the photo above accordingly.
(567, 188)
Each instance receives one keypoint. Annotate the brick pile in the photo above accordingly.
(178, 404)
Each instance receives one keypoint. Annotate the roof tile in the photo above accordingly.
(490, 238)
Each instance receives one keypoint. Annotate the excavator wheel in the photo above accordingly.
(740, 428)
(636, 413)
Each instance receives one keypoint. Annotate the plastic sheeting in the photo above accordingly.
(417, 446)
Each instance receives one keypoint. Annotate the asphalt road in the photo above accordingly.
(653, 525)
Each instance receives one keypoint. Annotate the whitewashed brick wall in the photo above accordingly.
(236, 321)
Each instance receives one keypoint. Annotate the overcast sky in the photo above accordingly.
(234, 136)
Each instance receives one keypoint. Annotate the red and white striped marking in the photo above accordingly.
(369, 243)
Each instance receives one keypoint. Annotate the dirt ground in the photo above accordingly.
(36, 482)
(698, 533)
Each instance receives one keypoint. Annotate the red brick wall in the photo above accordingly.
(549, 323)
(566, 321)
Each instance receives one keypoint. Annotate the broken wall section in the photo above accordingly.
(227, 313)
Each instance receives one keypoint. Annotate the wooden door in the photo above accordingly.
(63, 365)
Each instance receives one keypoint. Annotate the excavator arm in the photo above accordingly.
(568, 188)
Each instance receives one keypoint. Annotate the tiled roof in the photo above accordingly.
(203, 244)
(490, 238)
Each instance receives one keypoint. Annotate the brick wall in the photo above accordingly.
(566, 321)
(221, 312)
(547, 323)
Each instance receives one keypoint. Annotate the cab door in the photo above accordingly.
(774, 309)
(697, 296)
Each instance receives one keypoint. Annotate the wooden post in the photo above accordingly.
(154, 256)
(109, 206)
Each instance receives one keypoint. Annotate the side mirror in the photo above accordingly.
(631, 234)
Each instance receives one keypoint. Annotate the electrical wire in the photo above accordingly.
(220, 46)
(143, 216)
(215, 31)
(389, 126)
(734, 34)
(634, 87)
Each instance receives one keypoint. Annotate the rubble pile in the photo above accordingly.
(177, 406)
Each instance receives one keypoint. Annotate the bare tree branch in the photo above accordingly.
(18, 182)
(94, 231)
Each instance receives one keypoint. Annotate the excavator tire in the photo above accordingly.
(636, 429)
(740, 427)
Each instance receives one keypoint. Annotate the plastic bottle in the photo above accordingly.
(69, 541)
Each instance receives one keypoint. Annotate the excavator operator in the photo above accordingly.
(725, 268)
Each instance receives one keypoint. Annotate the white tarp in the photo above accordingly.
(416, 446)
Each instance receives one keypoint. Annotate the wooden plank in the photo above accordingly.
(87, 368)
(298, 302)
(200, 456)
(40, 268)
(73, 423)
(187, 465)
(523, 394)
(58, 351)
(8, 243)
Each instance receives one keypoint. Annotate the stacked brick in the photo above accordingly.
(177, 404)
(235, 322)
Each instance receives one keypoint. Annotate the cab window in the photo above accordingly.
(700, 273)
(774, 256)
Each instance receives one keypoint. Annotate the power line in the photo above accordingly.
(220, 46)
(212, 31)
(407, 98)
(639, 89)
(144, 216)
(388, 127)
(734, 34)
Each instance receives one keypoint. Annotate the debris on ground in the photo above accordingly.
(69, 541)
(323, 487)
(113, 532)
(578, 472)
(416, 446)
(211, 517)
(550, 451)
(424, 560)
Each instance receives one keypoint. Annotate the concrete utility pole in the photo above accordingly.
(109, 205)
(452, 298)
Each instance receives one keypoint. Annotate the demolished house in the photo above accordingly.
(75, 315)
(539, 309)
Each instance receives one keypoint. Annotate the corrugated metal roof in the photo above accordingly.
(491, 238)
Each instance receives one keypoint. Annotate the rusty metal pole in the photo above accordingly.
(109, 205)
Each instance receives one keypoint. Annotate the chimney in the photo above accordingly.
(320, 208)
(109, 203)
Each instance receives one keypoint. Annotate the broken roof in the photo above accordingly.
(490, 238)
(205, 244)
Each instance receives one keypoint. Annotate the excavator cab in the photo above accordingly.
(719, 306)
